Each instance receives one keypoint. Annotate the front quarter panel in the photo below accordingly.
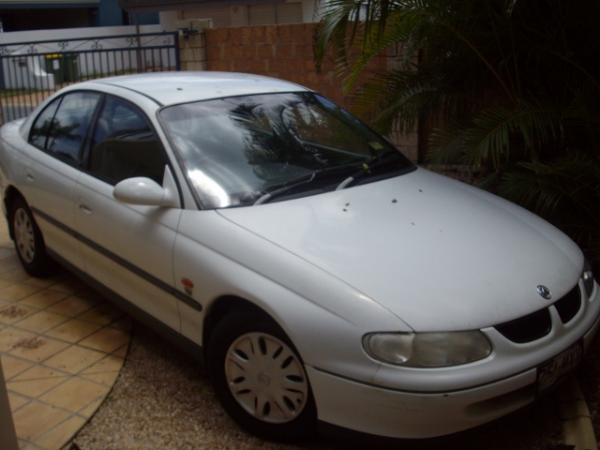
(324, 317)
(12, 160)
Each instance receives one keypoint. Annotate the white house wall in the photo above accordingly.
(29, 71)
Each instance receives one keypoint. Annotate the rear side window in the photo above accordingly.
(124, 145)
(70, 125)
(43, 123)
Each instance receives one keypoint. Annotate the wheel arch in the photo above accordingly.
(11, 193)
(224, 305)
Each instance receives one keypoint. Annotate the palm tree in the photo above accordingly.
(509, 87)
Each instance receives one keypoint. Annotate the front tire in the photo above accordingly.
(259, 377)
(28, 239)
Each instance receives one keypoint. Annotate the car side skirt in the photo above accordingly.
(189, 346)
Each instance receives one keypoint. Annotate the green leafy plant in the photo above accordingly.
(510, 88)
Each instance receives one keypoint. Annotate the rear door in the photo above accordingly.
(55, 142)
(128, 247)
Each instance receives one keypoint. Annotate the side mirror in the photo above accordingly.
(143, 191)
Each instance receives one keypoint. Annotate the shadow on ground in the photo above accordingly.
(588, 377)
(163, 399)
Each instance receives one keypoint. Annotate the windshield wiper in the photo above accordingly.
(300, 181)
(367, 167)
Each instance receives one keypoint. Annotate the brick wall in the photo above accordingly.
(281, 51)
(192, 52)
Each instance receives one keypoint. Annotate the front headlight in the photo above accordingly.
(428, 349)
(588, 279)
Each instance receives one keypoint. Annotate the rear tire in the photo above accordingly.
(29, 242)
(259, 377)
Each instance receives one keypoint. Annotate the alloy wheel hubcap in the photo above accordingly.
(24, 237)
(266, 378)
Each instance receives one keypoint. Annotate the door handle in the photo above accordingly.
(29, 177)
(86, 209)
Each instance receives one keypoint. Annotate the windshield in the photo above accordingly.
(237, 150)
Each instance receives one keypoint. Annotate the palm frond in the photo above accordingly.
(566, 191)
(493, 134)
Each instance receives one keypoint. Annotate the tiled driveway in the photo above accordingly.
(62, 347)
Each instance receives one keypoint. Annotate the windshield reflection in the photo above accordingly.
(238, 148)
(209, 187)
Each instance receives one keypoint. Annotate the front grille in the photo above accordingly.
(538, 324)
(528, 328)
(569, 305)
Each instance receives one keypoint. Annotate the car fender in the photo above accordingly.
(323, 316)
(12, 160)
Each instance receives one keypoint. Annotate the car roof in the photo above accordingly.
(167, 88)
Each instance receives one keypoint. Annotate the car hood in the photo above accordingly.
(438, 253)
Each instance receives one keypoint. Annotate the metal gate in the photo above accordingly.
(31, 71)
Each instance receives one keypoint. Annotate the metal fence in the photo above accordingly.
(31, 71)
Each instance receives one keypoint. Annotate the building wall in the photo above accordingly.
(239, 15)
(72, 33)
(56, 15)
(281, 51)
(192, 52)
(42, 18)
(110, 14)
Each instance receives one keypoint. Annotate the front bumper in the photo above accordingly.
(397, 413)
(374, 410)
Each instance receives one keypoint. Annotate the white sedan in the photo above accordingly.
(322, 276)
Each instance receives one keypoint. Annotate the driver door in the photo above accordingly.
(128, 248)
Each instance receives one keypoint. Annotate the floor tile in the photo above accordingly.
(35, 381)
(10, 266)
(12, 271)
(9, 336)
(14, 312)
(109, 363)
(4, 303)
(121, 352)
(73, 330)
(39, 282)
(74, 359)
(102, 314)
(106, 340)
(5, 284)
(16, 292)
(70, 285)
(89, 410)
(56, 437)
(12, 366)
(44, 299)
(105, 378)
(35, 419)
(7, 244)
(72, 306)
(74, 394)
(104, 371)
(16, 401)
(29, 446)
(124, 324)
(41, 321)
(37, 348)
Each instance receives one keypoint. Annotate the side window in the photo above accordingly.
(124, 146)
(41, 126)
(70, 125)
